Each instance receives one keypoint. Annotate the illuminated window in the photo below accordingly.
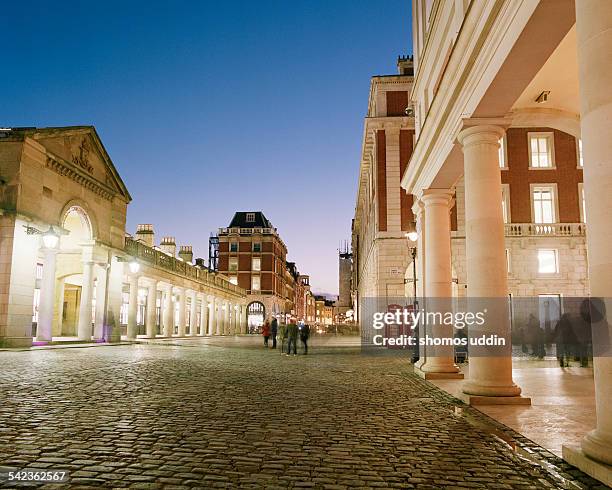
(508, 259)
(580, 160)
(256, 264)
(582, 203)
(255, 283)
(506, 202)
(548, 261)
(541, 153)
(36, 306)
(502, 153)
(233, 263)
(233, 280)
(543, 203)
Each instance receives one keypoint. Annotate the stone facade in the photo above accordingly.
(383, 211)
(64, 249)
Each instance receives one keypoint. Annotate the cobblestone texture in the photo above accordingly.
(197, 416)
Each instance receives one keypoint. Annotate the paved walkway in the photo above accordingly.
(202, 416)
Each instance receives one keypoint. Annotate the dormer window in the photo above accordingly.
(250, 217)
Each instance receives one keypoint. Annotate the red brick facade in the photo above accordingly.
(566, 174)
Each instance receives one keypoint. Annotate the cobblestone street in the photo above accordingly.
(200, 416)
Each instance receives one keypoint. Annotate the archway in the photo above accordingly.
(76, 221)
(256, 313)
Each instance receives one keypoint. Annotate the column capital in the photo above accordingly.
(485, 133)
(434, 197)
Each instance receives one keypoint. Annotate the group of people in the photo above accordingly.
(287, 334)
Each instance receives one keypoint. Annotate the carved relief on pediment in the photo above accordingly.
(81, 157)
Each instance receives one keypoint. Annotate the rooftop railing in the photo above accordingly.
(164, 261)
(247, 231)
(545, 229)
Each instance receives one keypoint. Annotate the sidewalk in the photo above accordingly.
(562, 407)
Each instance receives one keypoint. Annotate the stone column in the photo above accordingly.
(439, 360)
(193, 314)
(84, 325)
(212, 317)
(114, 300)
(243, 319)
(203, 316)
(594, 44)
(47, 296)
(98, 332)
(226, 318)
(490, 369)
(218, 317)
(151, 315)
(132, 327)
(181, 311)
(168, 313)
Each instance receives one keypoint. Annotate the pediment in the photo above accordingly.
(78, 152)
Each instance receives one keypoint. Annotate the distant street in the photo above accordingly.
(204, 416)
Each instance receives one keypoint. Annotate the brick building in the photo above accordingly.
(253, 256)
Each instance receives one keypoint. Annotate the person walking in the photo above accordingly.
(304, 336)
(266, 332)
(282, 333)
(274, 331)
(292, 334)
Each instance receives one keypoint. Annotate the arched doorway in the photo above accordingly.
(75, 247)
(256, 313)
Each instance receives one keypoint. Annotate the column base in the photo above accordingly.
(435, 375)
(600, 471)
(494, 400)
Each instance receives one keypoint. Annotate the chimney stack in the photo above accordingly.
(145, 234)
(186, 253)
(168, 245)
(405, 65)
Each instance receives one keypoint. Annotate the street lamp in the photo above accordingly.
(412, 238)
(50, 238)
(134, 266)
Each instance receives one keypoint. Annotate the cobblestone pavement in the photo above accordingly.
(200, 416)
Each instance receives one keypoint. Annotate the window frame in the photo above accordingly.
(229, 264)
(253, 259)
(250, 217)
(231, 245)
(258, 278)
(579, 154)
(503, 153)
(557, 265)
(555, 207)
(253, 247)
(550, 136)
(581, 202)
(506, 203)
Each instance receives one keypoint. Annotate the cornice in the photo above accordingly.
(65, 169)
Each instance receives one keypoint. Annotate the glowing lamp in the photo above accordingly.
(134, 267)
(412, 236)
(50, 238)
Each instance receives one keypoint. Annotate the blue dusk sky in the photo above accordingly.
(207, 108)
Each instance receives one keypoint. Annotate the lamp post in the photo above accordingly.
(412, 238)
(50, 240)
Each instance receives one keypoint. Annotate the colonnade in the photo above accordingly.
(490, 377)
(169, 309)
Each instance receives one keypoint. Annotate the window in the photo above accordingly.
(255, 283)
(233, 280)
(256, 265)
(548, 261)
(508, 268)
(39, 271)
(233, 263)
(503, 153)
(541, 151)
(36, 306)
(250, 217)
(233, 246)
(582, 203)
(543, 202)
(579, 151)
(256, 247)
(506, 202)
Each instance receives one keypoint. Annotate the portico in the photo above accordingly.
(68, 268)
(543, 67)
